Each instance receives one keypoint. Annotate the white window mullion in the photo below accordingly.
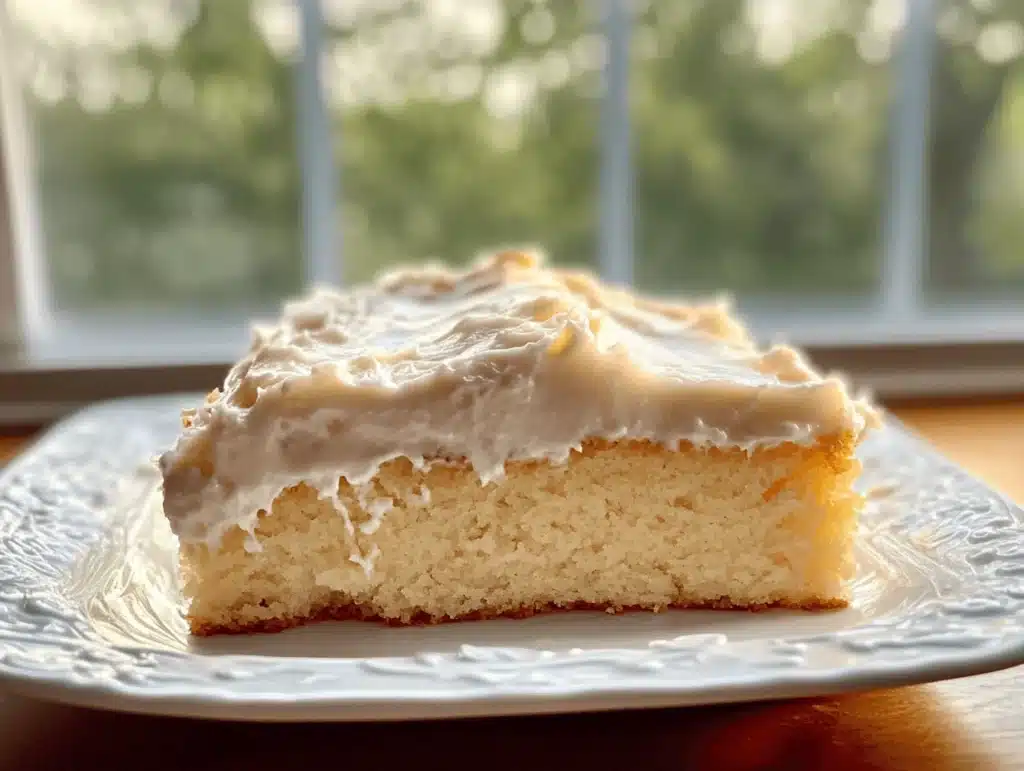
(904, 249)
(616, 191)
(10, 322)
(321, 245)
(25, 303)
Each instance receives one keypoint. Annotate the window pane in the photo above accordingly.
(976, 237)
(464, 125)
(165, 139)
(759, 131)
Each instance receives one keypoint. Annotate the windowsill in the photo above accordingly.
(91, 340)
(96, 356)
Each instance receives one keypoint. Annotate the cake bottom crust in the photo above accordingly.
(355, 612)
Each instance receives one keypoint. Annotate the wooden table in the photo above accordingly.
(973, 723)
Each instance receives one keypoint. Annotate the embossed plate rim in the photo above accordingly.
(51, 496)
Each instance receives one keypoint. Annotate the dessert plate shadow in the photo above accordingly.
(90, 609)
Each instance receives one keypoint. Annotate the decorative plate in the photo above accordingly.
(90, 611)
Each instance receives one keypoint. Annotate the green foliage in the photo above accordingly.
(760, 165)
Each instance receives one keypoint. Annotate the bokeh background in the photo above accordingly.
(167, 163)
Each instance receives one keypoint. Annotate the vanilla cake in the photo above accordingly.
(507, 440)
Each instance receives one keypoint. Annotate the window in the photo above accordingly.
(976, 164)
(850, 169)
(760, 142)
(461, 126)
(166, 162)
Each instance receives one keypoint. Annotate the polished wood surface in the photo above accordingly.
(9, 445)
(972, 723)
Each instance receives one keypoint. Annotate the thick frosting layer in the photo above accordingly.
(505, 361)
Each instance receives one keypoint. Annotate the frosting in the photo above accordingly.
(505, 361)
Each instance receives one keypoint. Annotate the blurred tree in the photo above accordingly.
(758, 148)
(168, 149)
(167, 170)
(465, 134)
(978, 59)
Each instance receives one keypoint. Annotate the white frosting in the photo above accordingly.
(505, 361)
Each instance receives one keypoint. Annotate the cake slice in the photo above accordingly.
(504, 441)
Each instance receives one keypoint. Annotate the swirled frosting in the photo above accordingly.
(507, 360)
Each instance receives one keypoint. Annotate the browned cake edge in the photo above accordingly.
(356, 612)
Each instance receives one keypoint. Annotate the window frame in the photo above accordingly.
(896, 350)
(10, 325)
(21, 295)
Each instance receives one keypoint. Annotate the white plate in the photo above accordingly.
(90, 613)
